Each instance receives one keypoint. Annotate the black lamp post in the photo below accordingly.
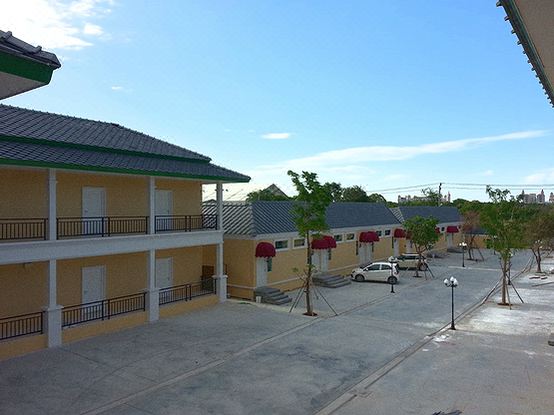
(392, 261)
(463, 246)
(452, 283)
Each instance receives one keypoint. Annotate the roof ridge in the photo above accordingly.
(107, 124)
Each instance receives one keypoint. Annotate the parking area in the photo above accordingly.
(244, 358)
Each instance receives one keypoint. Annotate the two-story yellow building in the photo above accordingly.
(101, 227)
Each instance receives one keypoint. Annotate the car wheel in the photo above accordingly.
(392, 280)
(359, 278)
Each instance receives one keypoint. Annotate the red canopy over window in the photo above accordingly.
(399, 233)
(320, 243)
(330, 241)
(265, 250)
(369, 236)
(452, 229)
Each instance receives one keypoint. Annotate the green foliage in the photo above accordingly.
(335, 191)
(354, 194)
(539, 231)
(422, 232)
(264, 194)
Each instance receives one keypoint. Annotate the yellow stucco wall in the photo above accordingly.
(187, 263)
(383, 249)
(21, 345)
(94, 328)
(187, 195)
(239, 258)
(125, 195)
(25, 191)
(23, 288)
(344, 255)
(125, 274)
(181, 307)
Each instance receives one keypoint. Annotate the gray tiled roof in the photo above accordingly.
(268, 217)
(443, 214)
(45, 155)
(63, 129)
(14, 46)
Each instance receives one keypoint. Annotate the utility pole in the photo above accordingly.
(440, 198)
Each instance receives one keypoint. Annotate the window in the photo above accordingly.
(385, 267)
(442, 229)
(350, 236)
(298, 243)
(387, 232)
(374, 267)
(269, 264)
(379, 233)
(338, 238)
(329, 254)
(281, 245)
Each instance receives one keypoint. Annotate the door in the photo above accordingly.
(93, 210)
(164, 272)
(261, 272)
(93, 284)
(164, 210)
(396, 247)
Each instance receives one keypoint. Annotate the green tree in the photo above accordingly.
(309, 217)
(423, 235)
(539, 233)
(335, 190)
(504, 219)
(354, 194)
(264, 194)
(470, 225)
(376, 198)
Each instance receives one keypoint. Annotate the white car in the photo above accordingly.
(377, 271)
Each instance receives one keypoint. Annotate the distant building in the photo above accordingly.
(534, 198)
(276, 191)
(541, 198)
(551, 198)
(409, 198)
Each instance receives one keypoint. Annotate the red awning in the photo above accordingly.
(369, 236)
(265, 250)
(452, 229)
(399, 233)
(320, 243)
(330, 241)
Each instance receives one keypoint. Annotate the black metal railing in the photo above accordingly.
(187, 223)
(101, 226)
(23, 228)
(186, 292)
(103, 310)
(21, 325)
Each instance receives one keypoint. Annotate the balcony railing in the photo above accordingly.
(103, 310)
(102, 226)
(21, 325)
(187, 223)
(23, 229)
(187, 292)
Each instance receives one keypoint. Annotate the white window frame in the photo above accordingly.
(389, 232)
(379, 233)
(353, 239)
(282, 249)
(303, 246)
(341, 238)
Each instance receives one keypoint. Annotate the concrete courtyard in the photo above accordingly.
(383, 353)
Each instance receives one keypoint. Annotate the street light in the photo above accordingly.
(452, 283)
(463, 246)
(392, 261)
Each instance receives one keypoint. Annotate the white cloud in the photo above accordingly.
(92, 29)
(276, 136)
(117, 88)
(541, 177)
(487, 173)
(54, 24)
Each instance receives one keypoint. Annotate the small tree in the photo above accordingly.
(354, 194)
(470, 225)
(423, 234)
(309, 217)
(539, 233)
(504, 219)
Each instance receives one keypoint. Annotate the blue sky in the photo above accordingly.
(379, 94)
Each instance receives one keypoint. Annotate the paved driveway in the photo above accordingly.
(240, 358)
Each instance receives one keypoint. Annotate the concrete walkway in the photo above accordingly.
(242, 358)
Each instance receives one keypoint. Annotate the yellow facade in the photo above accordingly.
(95, 328)
(23, 288)
(343, 256)
(187, 195)
(27, 193)
(187, 263)
(124, 274)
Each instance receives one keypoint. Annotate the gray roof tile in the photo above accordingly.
(268, 217)
(14, 46)
(56, 128)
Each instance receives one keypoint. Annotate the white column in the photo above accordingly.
(52, 215)
(151, 204)
(449, 240)
(396, 247)
(53, 312)
(220, 277)
(152, 293)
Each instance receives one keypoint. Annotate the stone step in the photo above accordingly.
(331, 281)
(272, 295)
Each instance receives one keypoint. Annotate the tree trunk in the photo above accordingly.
(538, 259)
(309, 306)
(418, 263)
(504, 280)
